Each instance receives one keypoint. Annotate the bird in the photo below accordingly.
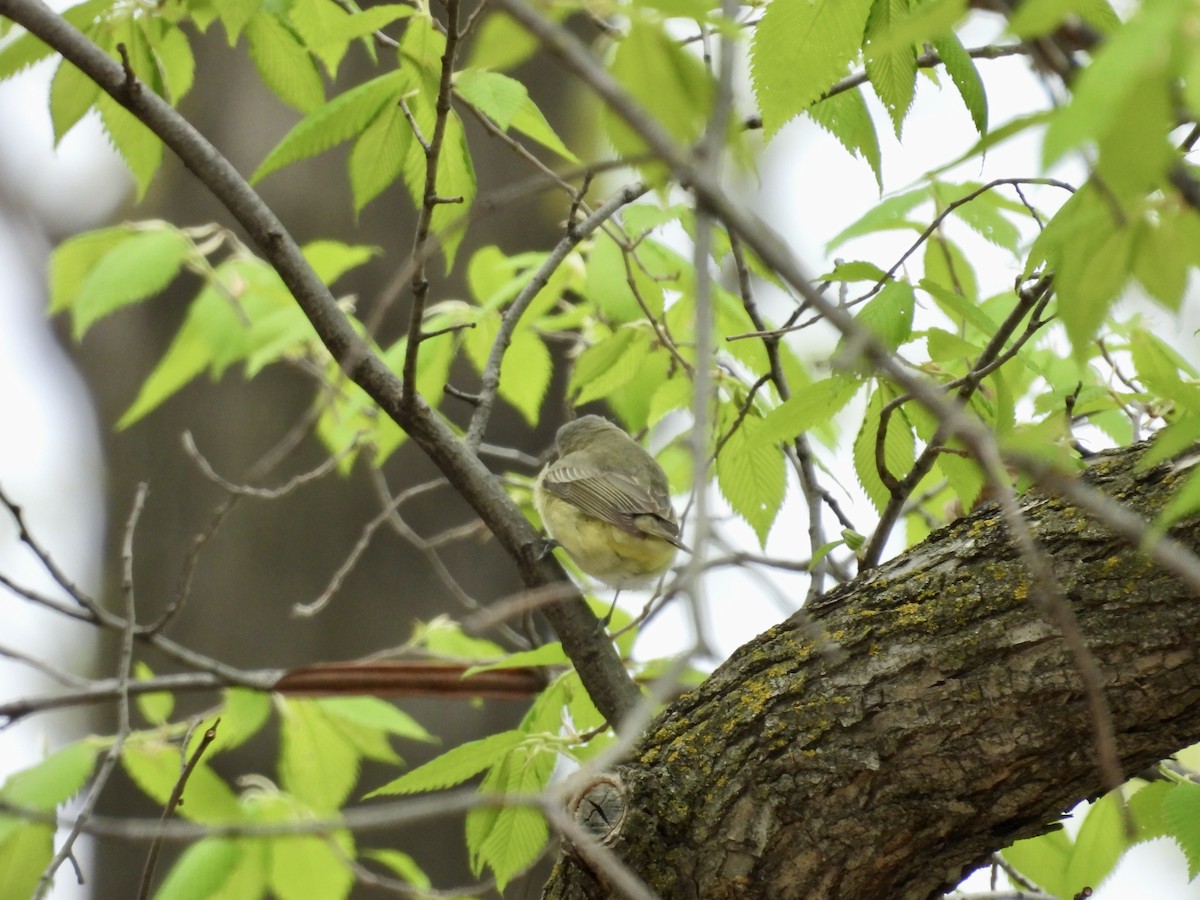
(607, 503)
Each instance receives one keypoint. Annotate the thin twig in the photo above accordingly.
(124, 671)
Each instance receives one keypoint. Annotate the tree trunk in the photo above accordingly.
(936, 717)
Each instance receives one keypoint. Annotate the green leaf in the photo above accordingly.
(889, 314)
(373, 712)
(317, 764)
(825, 34)
(342, 118)
(514, 843)
(888, 214)
(307, 867)
(155, 767)
(666, 80)
(26, 50)
(846, 117)
(1098, 844)
(243, 714)
(497, 96)
(156, 708)
(74, 259)
(608, 364)
(898, 449)
(136, 269)
(892, 71)
(454, 766)
(1161, 261)
(333, 259)
(1043, 860)
(455, 182)
(234, 15)
(402, 865)
(506, 102)
(551, 654)
(1181, 813)
(1116, 74)
(138, 146)
(1035, 18)
(752, 476)
(25, 852)
(379, 154)
(202, 871)
(525, 374)
(283, 63)
(54, 780)
(965, 75)
(985, 215)
(71, 95)
(501, 44)
(175, 61)
(855, 270)
(808, 407)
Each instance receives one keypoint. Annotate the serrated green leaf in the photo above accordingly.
(514, 843)
(985, 215)
(752, 476)
(551, 654)
(808, 407)
(175, 61)
(525, 374)
(54, 780)
(342, 118)
(1098, 844)
(666, 80)
(25, 852)
(373, 712)
(887, 214)
(496, 96)
(306, 867)
(1088, 279)
(316, 763)
(898, 449)
(135, 269)
(234, 15)
(243, 714)
(826, 34)
(202, 871)
(892, 70)
(855, 270)
(156, 766)
(138, 146)
(401, 865)
(889, 314)
(1043, 860)
(71, 95)
(74, 259)
(608, 364)
(1181, 813)
(501, 44)
(379, 154)
(156, 708)
(965, 75)
(283, 63)
(1161, 262)
(1117, 72)
(333, 259)
(454, 766)
(1038, 17)
(26, 50)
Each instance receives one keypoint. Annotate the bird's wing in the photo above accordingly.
(614, 498)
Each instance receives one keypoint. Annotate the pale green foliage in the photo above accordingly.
(619, 313)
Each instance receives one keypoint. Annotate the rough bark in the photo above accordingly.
(938, 719)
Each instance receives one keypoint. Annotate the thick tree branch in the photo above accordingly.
(949, 722)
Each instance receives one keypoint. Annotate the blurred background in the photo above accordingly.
(75, 476)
